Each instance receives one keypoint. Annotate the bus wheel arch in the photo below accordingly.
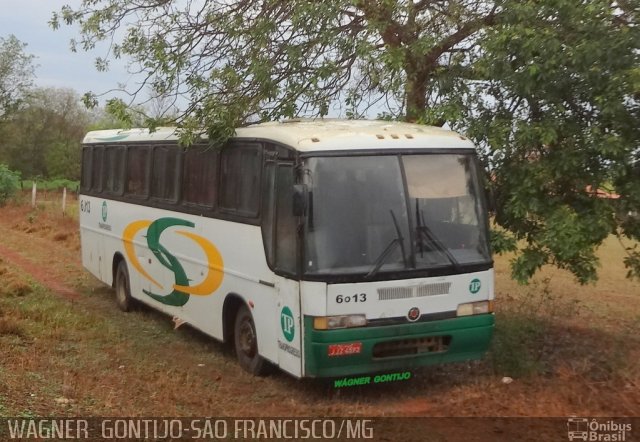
(122, 287)
(239, 330)
(117, 258)
(232, 303)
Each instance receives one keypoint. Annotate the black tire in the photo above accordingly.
(245, 342)
(123, 288)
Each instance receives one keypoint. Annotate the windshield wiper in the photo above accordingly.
(424, 232)
(398, 240)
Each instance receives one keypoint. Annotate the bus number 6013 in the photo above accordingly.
(85, 206)
(358, 297)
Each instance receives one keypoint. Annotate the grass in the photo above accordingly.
(570, 349)
(50, 349)
(539, 334)
(582, 340)
(51, 185)
(48, 203)
(45, 221)
(524, 338)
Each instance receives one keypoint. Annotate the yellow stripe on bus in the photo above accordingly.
(127, 238)
(214, 263)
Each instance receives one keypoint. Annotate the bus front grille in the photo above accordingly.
(403, 347)
(434, 289)
(387, 293)
(438, 288)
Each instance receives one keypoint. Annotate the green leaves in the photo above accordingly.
(560, 122)
(43, 137)
(529, 261)
(632, 262)
(9, 183)
(118, 109)
(16, 74)
(549, 90)
(502, 242)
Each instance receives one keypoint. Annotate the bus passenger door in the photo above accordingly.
(281, 243)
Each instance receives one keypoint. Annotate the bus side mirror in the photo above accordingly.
(300, 196)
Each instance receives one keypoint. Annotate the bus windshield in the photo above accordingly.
(393, 213)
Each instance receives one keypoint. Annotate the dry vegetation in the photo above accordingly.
(571, 350)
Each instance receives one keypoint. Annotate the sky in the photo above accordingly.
(56, 65)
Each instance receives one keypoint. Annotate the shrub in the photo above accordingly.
(526, 337)
(9, 183)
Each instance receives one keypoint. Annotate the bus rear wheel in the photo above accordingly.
(246, 343)
(123, 289)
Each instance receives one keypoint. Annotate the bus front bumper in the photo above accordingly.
(395, 347)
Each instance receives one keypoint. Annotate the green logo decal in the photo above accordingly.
(176, 297)
(104, 211)
(182, 287)
(286, 321)
(474, 286)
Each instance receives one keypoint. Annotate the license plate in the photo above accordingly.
(352, 348)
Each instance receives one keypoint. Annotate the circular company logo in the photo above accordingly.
(287, 324)
(474, 286)
(413, 314)
(104, 211)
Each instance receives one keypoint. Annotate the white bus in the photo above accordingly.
(326, 247)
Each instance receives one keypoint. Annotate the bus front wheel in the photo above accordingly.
(246, 343)
(123, 290)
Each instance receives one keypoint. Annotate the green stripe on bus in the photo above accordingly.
(470, 337)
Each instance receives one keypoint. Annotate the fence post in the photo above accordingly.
(33, 195)
(64, 200)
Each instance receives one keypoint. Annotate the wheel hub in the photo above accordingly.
(247, 339)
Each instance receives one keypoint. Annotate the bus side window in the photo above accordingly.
(279, 226)
(241, 166)
(164, 174)
(268, 211)
(200, 176)
(96, 169)
(286, 224)
(114, 170)
(137, 171)
(85, 181)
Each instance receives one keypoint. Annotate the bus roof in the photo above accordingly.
(316, 135)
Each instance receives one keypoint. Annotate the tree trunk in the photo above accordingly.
(416, 95)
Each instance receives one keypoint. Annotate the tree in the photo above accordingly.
(548, 88)
(242, 60)
(559, 114)
(16, 74)
(43, 138)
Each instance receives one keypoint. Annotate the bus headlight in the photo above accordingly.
(475, 308)
(332, 322)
